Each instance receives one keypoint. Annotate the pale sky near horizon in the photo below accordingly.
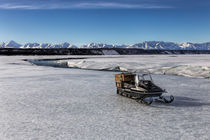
(104, 21)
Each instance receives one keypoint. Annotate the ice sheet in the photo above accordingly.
(58, 103)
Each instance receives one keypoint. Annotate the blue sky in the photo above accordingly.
(104, 21)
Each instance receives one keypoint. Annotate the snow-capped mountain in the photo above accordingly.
(10, 44)
(13, 44)
(195, 46)
(101, 45)
(147, 45)
(155, 45)
(48, 45)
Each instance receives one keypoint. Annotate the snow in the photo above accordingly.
(183, 65)
(40, 102)
(110, 52)
(12, 44)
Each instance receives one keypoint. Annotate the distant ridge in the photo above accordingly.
(147, 45)
(13, 44)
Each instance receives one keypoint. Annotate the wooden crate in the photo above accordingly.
(125, 77)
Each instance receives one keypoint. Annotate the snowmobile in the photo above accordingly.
(140, 87)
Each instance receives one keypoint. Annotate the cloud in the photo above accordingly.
(109, 5)
(82, 5)
(14, 6)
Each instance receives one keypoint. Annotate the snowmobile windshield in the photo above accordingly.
(146, 77)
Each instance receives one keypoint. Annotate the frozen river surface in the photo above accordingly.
(38, 102)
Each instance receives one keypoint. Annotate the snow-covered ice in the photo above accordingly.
(39, 102)
(184, 65)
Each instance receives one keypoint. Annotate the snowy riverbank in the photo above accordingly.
(183, 65)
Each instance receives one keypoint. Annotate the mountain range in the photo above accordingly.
(147, 45)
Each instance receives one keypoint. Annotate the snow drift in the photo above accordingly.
(190, 65)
